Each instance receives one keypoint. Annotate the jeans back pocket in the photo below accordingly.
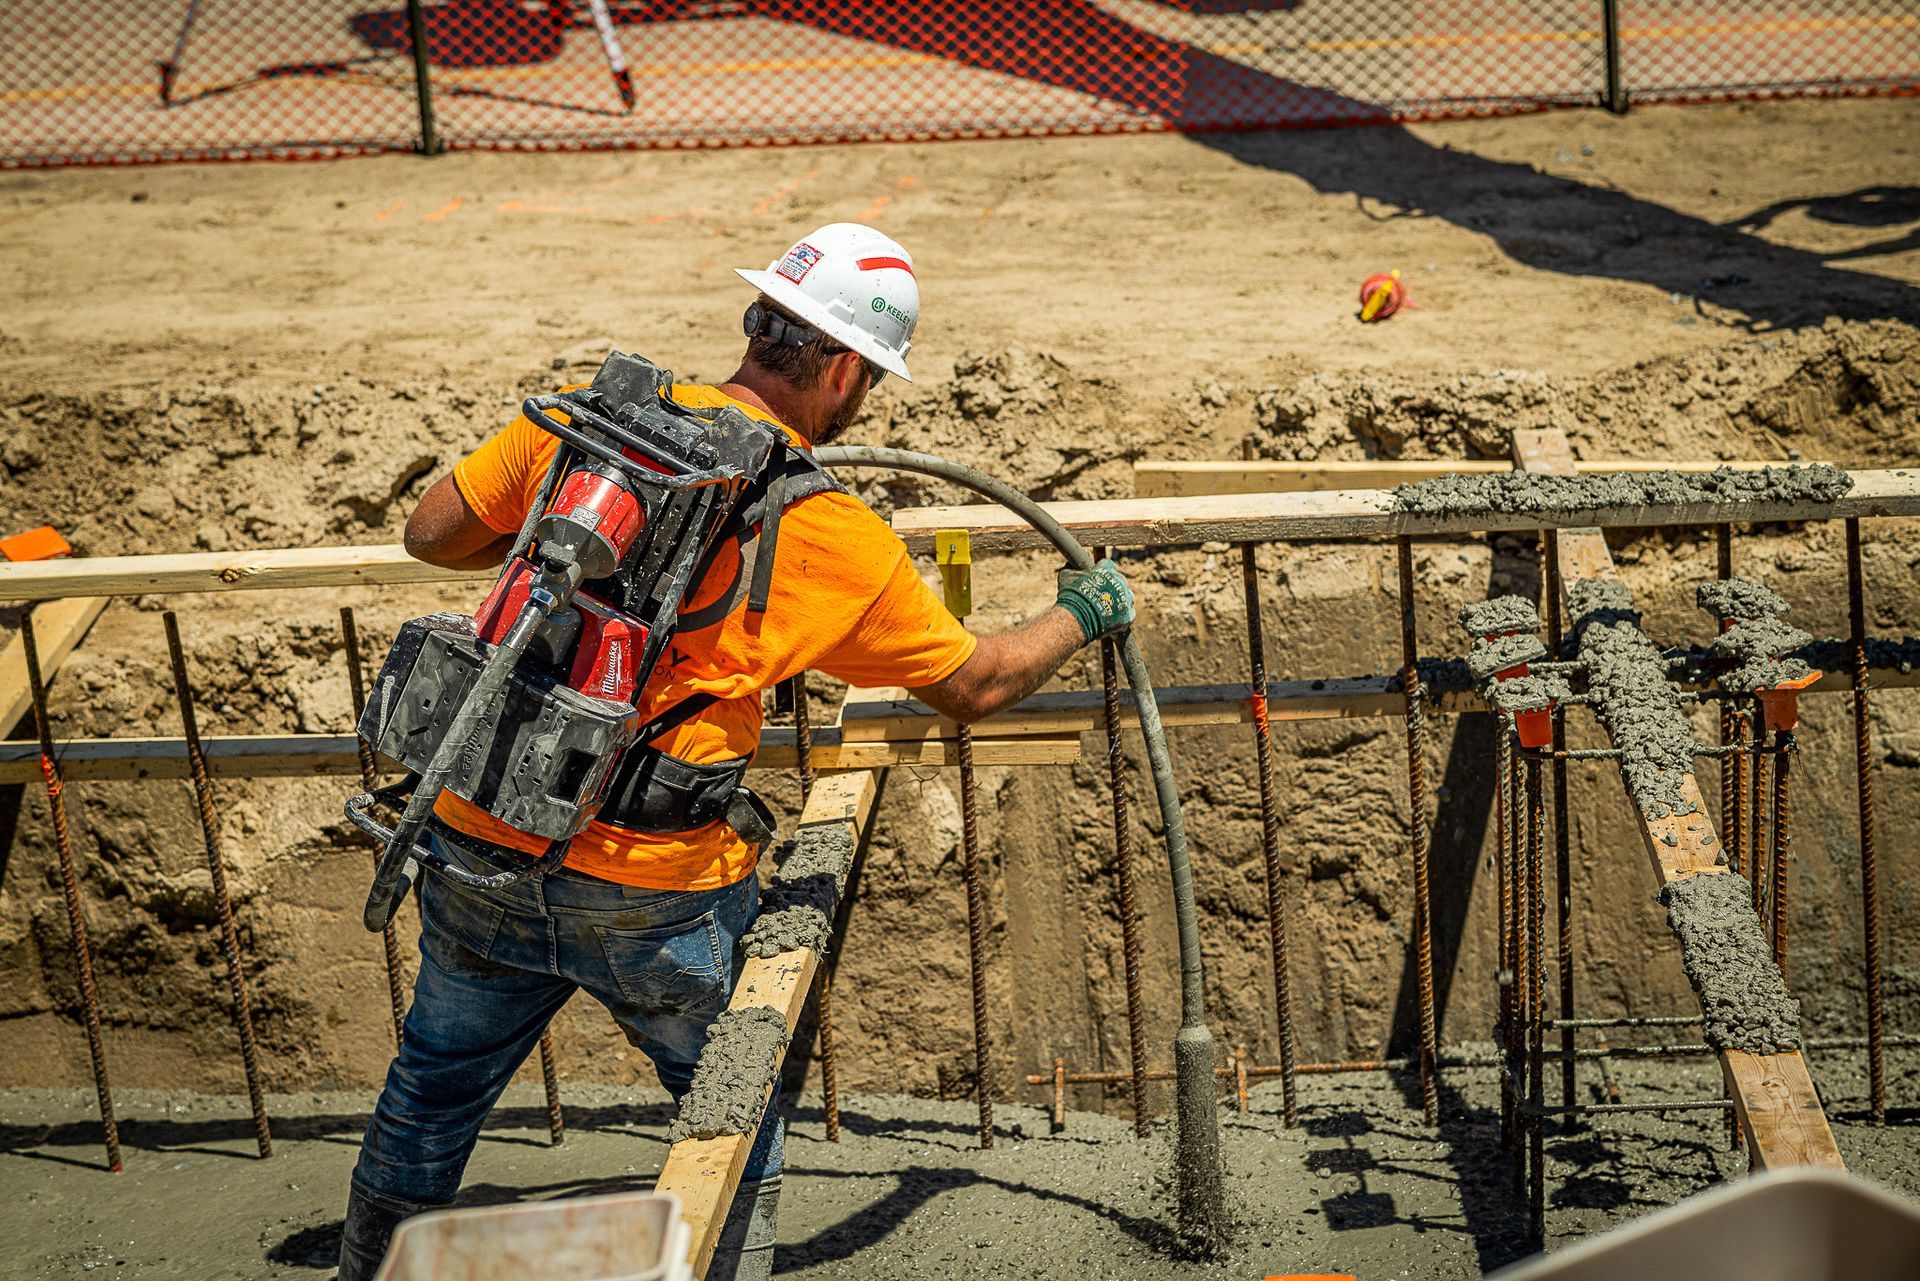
(668, 969)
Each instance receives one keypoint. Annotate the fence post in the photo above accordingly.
(1615, 95)
(417, 32)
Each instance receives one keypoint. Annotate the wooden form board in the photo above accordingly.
(271, 568)
(1124, 522)
(705, 1173)
(1773, 1094)
(1187, 479)
(1356, 513)
(58, 627)
(319, 755)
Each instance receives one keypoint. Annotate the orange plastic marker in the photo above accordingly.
(1381, 294)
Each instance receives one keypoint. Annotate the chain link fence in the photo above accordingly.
(133, 81)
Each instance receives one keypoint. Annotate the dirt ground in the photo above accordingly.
(224, 357)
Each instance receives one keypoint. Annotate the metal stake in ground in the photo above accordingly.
(1784, 748)
(1123, 860)
(550, 1079)
(1417, 832)
(1536, 1000)
(1869, 862)
(357, 689)
(1562, 833)
(953, 551)
(216, 865)
(1269, 832)
(1503, 873)
(70, 891)
(1523, 947)
(822, 983)
(976, 936)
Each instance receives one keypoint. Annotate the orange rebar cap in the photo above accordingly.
(43, 543)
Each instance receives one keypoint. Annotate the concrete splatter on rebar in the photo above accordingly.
(796, 910)
(1628, 687)
(1499, 614)
(1533, 492)
(1738, 598)
(1743, 999)
(730, 1082)
(1527, 693)
(1497, 655)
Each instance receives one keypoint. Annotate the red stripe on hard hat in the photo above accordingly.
(875, 264)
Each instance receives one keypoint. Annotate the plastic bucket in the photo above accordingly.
(1784, 1225)
(628, 1236)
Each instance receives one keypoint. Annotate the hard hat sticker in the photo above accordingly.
(798, 262)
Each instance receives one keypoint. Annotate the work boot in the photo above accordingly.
(745, 1251)
(371, 1221)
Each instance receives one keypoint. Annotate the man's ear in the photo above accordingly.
(847, 371)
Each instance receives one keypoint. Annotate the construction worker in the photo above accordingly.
(654, 895)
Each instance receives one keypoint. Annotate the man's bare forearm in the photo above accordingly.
(1006, 667)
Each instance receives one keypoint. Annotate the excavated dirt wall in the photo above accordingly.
(235, 459)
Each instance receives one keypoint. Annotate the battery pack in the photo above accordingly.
(538, 760)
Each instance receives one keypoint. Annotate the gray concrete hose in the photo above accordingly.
(1201, 1194)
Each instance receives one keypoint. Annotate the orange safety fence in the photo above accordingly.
(133, 81)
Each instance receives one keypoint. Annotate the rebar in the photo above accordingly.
(550, 1079)
(1562, 833)
(216, 865)
(1869, 861)
(1240, 1078)
(822, 980)
(1757, 813)
(976, 934)
(70, 891)
(829, 1076)
(1782, 847)
(1417, 832)
(1723, 538)
(1503, 874)
(1536, 1001)
(1058, 1121)
(357, 689)
(1610, 1082)
(1523, 946)
(1123, 859)
(1269, 832)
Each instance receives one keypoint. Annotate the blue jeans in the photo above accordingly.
(496, 966)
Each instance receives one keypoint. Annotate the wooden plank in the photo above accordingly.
(705, 1173)
(1772, 1093)
(1779, 1111)
(1163, 478)
(58, 628)
(1126, 522)
(321, 755)
(1356, 513)
(269, 568)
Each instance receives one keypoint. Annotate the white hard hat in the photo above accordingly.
(853, 284)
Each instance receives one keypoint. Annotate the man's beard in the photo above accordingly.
(842, 418)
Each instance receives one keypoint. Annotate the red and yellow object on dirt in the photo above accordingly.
(1381, 294)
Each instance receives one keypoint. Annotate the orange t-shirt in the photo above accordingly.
(845, 600)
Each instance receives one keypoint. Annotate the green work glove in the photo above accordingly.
(1098, 598)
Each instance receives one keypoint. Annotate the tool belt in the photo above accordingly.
(656, 793)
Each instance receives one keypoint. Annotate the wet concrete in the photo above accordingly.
(1498, 615)
(1497, 655)
(1724, 948)
(1528, 693)
(731, 1080)
(1738, 598)
(1628, 688)
(1530, 492)
(1761, 643)
(796, 910)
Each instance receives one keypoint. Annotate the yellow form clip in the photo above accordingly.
(953, 552)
